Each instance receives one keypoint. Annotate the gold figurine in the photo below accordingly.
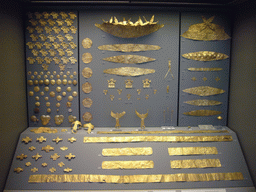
(117, 116)
(142, 117)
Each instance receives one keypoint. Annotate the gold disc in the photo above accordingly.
(52, 94)
(64, 81)
(87, 87)
(87, 116)
(87, 102)
(87, 57)
(59, 98)
(36, 89)
(75, 82)
(87, 43)
(74, 94)
(70, 98)
(31, 93)
(30, 82)
(87, 72)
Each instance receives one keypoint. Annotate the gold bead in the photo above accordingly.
(31, 93)
(37, 104)
(33, 118)
(46, 98)
(59, 98)
(74, 82)
(54, 72)
(51, 76)
(37, 98)
(74, 73)
(32, 77)
(42, 93)
(45, 76)
(69, 89)
(219, 118)
(69, 104)
(70, 98)
(69, 82)
(36, 89)
(58, 89)
(48, 110)
(41, 73)
(47, 104)
(35, 82)
(74, 94)
(68, 72)
(35, 73)
(71, 76)
(58, 82)
(29, 72)
(46, 82)
(64, 94)
(57, 104)
(38, 76)
(52, 94)
(58, 76)
(41, 82)
(64, 76)
(52, 82)
(48, 73)
(46, 89)
(30, 82)
(61, 73)
(64, 81)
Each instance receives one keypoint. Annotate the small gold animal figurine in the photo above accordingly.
(77, 125)
(89, 126)
(142, 117)
(117, 116)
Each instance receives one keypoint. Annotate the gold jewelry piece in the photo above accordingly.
(62, 67)
(87, 87)
(44, 130)
(70, 156)
(127, 151)
(36, 89)
(72, 45)
(147, 96)
(205, 56)
(138, 91)
(203, 102)
(37, 156)
(45, 119)
(111, 83)
(127, 165)
(69, 89)
(64, 130)
(74, 82)
(32, 148)
(28, 164)
(26, 140)
(57, 104)
(155, 91)
(206, 31)
(87, 43)
(119, 91)
(63, 148)
(58, 89)
(52, 170)
(146, 83)
(167, 89)
(21, 157)
(52, 94)
(129, 47)
(195, 163)
(57, 140)
(162, 132)
(192, 151)
(128, 84)
(111, 97)
(55, 156)
(169, 70)
(157, 139)
(87, 116)
(61, 164)
(73, 60)
(219, 118)
(204, 91)
(89, 126)
(87, 72)
(72, 15)
(72, 139)
(128, 29)
(129, 59)
(87, 102)
(160, 178)
(18, 169)
(33, 118)
(142, 117)
(44, 164)
(31, 93)
(48, 148)
(67, 170)
(128, 96)
(202, 113)
(129, 71)
(117, 116)
(87, 58)
(58, 119)
(71, 118)
(76, 125)
(41, 139)
(70, 98)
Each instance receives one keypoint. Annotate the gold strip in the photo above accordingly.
(205, 56)
(129, 71)
(161, 132)
(203, 102)
(129, 47)
(127, 151)
(204, 69)
(157, 139)
(192, 151)
(129, 59)
(204, 91)
(127, 165)
(195, 163)
(202, 113)
(160, 178)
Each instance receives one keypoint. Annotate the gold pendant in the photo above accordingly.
(146, 83)
(58, 119)
(142, 118)
(128, 84)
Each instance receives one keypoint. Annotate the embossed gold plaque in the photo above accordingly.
(87, 43)
(87, 102)
(195, 163)
(87, 58)
(87, 72)
(202, 113)
(129, 59)
(127, 151)
(87, 116)
(87, 87)
(204, 91)
(129, 71)
(203, 102)
(127, 165)
(192, 151)
(205, 56)
(129, 47)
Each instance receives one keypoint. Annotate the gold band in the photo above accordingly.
(127, 165)
(157, 139)
(161, 132)
(127, 151)
(192, 151)
(160, 178)
(195, 163)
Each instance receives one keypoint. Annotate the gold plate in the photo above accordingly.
(204, 91)
(205, 56)
(87, 58)
(204, 69)
(87, 87)
(129, 47)
(87, 72)
(203, 102)
(87, 43)
(87, 116)
(127, 151)
(87, 102)
(195, 163)
(129, 59)
(129, 71)
(202, 113)
(127, 165)
(192, 151)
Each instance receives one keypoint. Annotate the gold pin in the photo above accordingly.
(111, 83)
(128, 83)
(37, 156)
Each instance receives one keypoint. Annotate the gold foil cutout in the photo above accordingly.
(127, 151)
(76, 125)
(129, 59)
(37, 156)
(128, 84)
(34, 169)
(87, 72)
(57, 140)
(204, 69)
(26, 140)
(192, 151)
(48, 148)
(72, 139)
(55, 156)
(167, 89)
(203, 102)
(128, 29)
(87, 58)
(70, 156)
(89, 127)
(129, 47)
(117, 116)
(129, 71)
(138, 91)
(119, 91)
(41, 139)
(160, 178)
(163, 132)
(87, 116)
(87, 43)
(44, 164)
(127, 165)
(206, 31)
(204, 91)
(18, 169)
(130, 139)
(22, 156)
(52, 170)
(63, 148)
(128, 96)
(142, 118)
(67, 170)
(87, 102)
(44, 130)
(146, 83)
(195, 163)
(58, 119)
(61, 164)
(87, 87)
(202, 113)
(205, 56)
(111, 83)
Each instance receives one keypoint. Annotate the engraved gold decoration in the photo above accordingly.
(128, 29)
(72, 139)
(129, 47)
(204, 69)
(87, 102)
(206, 31)
(48, 148)
(163, 132)
(87, 116)
(111, 83)
(203, 102)
(26, 139)
(142, 117)
(58, 119)
(87, 72)
(76, 125)
(129, 59)
(128, 84)
(205, 56)
(89, 126)
(195, 163)
(202, 113)
(127, 151)
(127, 165)
(87, 58)
(204, 91)
(192, 151)
(87, 87)
(129, 71)
(160, 178)
(130, 139)
(87, 43)
(117, 116)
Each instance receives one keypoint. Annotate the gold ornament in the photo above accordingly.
(129, 47)
(87, 102)
(87, 43)
(87, 72)
(204, 91)
(129, 71)
(61, 164)
(163, 132)
(32, 148)
(45, 119)
(203, 102)
(219, 118)
(55, 156)
(192, 151)
(129, 59)
(138, 91)
(37, 156)
(63, 148)
(87, 116)
(21, 157)
(48, 148)
(71, 118)
(52, 170)
(89, 126)
(119, 91)
(128, 84)
(111, 83)
(87, 58)
(204, 69)
(28, 164)
(128, 29)
(72, 139)
(57, 140)
(67, 170)
(146, 83)
(18, 169)
(41, 139)
(127, 151)
(76, 125)
(44, 164)
(127, 165)
(117, 116)
(169, 70)
(58, 119)
(44, 130)
(111, 97)
(195, 163)
(128, 96)
(105, 92)
(205, 56)
(206, 31)
(70, 156)
(142, 117)
(202, 113)
(87, 87)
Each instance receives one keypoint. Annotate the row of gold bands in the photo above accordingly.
(128, 164)
(158, 139)
(162, 132)
(159, 178)
(127, 151)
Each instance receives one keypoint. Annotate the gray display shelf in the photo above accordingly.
(88, 159)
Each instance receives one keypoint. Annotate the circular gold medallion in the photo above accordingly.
(64, 94)
(69, 89)
(58, 89)
(74, 94)
(87, 116)
(46, 89)
(87, 57)
(46, 82)
(69, 104)
(87, 43)
(87, 72)
(48, 104)
(30, 82)
(59, 98)
(58, 82)
(75, 82)
(52, 94)
(87, 87)
(36, 89)
(36, 98)
(31, 93)
(37, 104)
(70, 98)
(69, 82)
(87, 102)
(46, 98)
(64, 81)
(41, 82)
(52, 82)
(48, 110)
(57, 104)
(42, 93)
